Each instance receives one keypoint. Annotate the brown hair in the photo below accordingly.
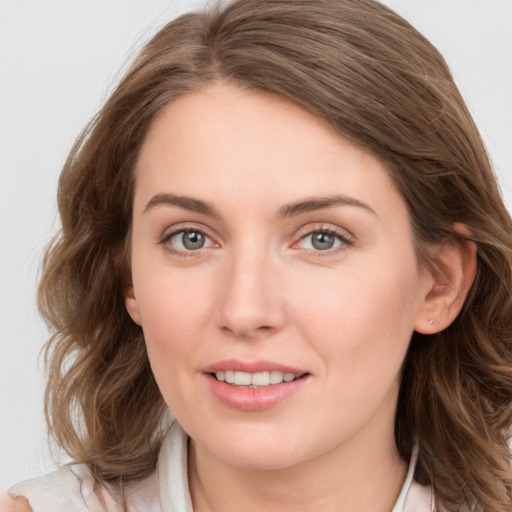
(380, 83)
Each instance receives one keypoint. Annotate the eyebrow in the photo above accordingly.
(318, 203)
(187, 203)
(300, 207)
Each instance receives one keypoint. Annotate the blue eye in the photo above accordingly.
(189, 240)
(322, 240)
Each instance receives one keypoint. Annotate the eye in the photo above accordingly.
(323, 240)
(187, 240)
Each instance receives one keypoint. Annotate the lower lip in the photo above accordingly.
(253, 399)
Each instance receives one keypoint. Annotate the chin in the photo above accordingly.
(258, 451)
(257, 460)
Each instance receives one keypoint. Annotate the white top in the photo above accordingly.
(73, 488)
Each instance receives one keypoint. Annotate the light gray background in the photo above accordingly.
(59, 60)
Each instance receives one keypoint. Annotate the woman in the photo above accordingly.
(283, 227)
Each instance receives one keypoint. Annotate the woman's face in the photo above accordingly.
(269, 251)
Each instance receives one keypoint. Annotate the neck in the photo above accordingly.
(353, 478)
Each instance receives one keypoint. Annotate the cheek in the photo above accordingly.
(360, 327)
(175, 309)
(362, 316)
(172, 303)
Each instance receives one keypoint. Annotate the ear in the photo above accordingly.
(131, 304)
(449, 279)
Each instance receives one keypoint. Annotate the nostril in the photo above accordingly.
(246, 333)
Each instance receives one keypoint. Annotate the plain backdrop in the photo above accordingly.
(58, 61)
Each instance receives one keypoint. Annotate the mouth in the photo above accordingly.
(257, 379)
(254, 385)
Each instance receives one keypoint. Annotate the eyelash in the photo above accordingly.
(182, 230)
(345, 241)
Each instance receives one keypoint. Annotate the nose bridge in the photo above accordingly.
(250, 303)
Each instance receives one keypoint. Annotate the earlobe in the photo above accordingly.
(450, 278)
(131, 304)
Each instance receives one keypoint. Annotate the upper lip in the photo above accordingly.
(252, 367)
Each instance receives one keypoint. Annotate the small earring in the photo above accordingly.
(431, 322)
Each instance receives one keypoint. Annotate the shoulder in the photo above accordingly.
(8, 504)
(59, 490)
(74, 489)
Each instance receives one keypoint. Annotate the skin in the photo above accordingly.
(260, 290)
(8, 504)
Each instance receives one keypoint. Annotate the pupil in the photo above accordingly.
(322, 241)
(193, 240)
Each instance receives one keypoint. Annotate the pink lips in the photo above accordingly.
(249, 398)
(252, 367)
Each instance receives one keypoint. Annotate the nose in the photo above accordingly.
(250, 303)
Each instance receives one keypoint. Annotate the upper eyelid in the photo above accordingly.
(301, 233)
(165, 241)
(175, 232)
(345, 237)
(185, 226)
(327, 228)
(342, 239)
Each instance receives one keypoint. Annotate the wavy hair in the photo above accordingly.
(384, 86)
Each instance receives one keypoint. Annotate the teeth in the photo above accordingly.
(276, 377)
(260, 379)
(254, 379)
(242, 379)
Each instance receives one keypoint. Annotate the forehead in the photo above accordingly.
(234, 145)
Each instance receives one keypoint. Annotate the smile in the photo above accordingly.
(255, 380)
(254, 385)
